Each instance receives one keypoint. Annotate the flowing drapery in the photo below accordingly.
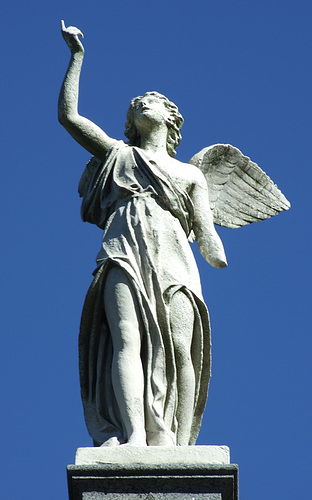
(146, 220)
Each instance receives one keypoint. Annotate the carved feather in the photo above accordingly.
(239, 191)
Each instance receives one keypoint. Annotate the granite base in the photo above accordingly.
(181, 480)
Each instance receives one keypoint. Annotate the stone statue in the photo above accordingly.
(145, 337)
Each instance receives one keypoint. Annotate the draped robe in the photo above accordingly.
(146, 220)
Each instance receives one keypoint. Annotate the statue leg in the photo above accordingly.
(182, 324)
(124, 322)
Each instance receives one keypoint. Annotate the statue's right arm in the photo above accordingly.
(85, 132)
(208, 240)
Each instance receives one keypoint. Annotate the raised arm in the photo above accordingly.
(208, 240)
(89, 135)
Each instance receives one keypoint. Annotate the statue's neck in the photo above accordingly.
(155, 142)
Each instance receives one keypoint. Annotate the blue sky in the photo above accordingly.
(240, 72)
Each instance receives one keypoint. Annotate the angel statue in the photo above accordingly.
(144, 344)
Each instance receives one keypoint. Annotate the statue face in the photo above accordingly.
(150, 109)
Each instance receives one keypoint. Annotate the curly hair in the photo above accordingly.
(174, 123)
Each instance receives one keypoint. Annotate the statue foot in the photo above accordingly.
(136, 440)
(113, 441)
(160, 439)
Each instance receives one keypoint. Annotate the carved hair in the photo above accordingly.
(174, 123)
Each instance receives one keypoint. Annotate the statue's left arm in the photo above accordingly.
(208, 240)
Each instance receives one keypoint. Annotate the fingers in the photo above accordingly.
(71, 30)
(75, 31)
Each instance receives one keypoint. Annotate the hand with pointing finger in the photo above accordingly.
(71, 37)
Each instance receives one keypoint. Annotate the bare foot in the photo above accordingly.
(136, 440)
(113, 441)
(160, 439)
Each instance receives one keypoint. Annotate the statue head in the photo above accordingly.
(174, 123)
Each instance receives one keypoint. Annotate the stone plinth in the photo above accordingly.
(153, 454)
(153, 473)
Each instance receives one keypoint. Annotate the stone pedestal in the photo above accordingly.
(153, 473)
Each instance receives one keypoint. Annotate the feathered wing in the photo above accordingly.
(239, 191)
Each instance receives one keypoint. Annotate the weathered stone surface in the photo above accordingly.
(153, 482)
(239, 191)
(94, 495)
(151, 455)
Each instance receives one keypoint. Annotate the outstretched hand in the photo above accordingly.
(71, 37)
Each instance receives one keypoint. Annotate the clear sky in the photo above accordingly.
(240, 72)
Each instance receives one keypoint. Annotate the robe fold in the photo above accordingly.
(146, 220)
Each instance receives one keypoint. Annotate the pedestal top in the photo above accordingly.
(153, 455)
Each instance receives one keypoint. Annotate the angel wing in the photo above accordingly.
(239, 191)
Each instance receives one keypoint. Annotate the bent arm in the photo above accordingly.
(208, 240)
(85, 132)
